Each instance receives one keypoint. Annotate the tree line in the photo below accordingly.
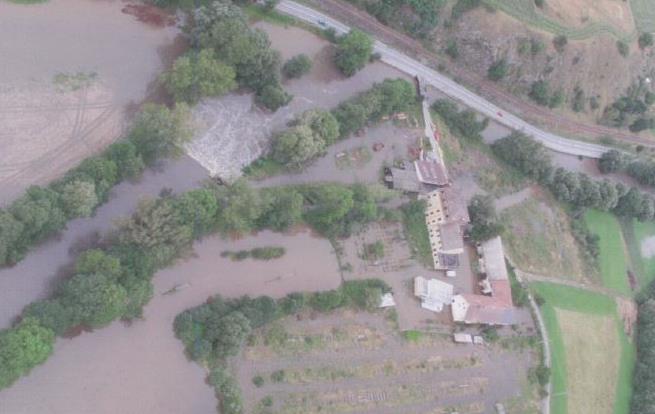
(577, 189)
(309, 135)
(643, 398)
(641, 169)
(115, 281)
(462, 123)
(217, 330)
(41, 212)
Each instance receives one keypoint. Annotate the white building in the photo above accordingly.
(434, 293)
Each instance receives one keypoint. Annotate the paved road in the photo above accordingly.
(414, 68)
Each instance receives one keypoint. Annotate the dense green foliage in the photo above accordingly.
(383, 99)
(540, 93)
(416, 231)
(645, 40)
(297, 66)
(23, 347)
(641, 169)
(197, 75)
(498, 70)
(577, 189)
(310, 134)
(484, 219)
(560, 42)
(354, 51)
(223, 27)
(43, 211)
(643, 397)
(461, 123)
(418, 18)
(631, 109)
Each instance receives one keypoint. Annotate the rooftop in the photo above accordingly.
(431, 172)
(493, 257)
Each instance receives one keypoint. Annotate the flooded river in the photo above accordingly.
(141, 369)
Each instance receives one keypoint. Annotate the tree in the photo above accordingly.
(297, 66)
(94, 299)
(97, 261)
(40, 214)
(612, 161)
(645, 40)
(332, 203)
(100, 171)
(322, 123)
(197, 209)
(11, 230)
(159, 132)
(527, 155)
(498, 70)
(273, 97)
(51, 314)
(239, 208)
(623, 47)
(540, 92)
(79, 198)
(227, 333)
(353, 52)
(282, 209)
(295, 146)
(484, 219)
(129, 163)
(560, 43)
(197, 75)
(155, 228)
(22, 348)
(452, 49)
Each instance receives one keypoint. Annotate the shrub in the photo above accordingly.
(560, 43)
(258, 381)
(267, 253)
(297, 66)
(273, 97)
(623, 47)
(645, 40)
(278, 376)
(498, 70)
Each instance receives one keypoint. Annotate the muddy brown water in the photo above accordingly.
(141, 368)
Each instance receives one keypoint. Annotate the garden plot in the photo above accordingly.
(349, 362)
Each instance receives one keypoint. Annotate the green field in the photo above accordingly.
(644, 14)
(635, 233)
(612, 261)
(586, 303)
(528, 13)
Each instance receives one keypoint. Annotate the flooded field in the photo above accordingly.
(71, 71)
(234, 132)
(141, 369)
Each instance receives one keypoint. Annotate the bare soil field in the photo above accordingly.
(50, 125)
(357, 363)
(141, 368)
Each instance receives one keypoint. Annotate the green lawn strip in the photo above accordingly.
(642, 231)
(612, 260)
(644, 15)
(579, 300)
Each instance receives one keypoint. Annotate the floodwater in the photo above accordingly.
(142, 369)
(33, 278)
(234, 132)
(48, 125)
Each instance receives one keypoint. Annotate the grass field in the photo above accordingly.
(538, 238)
(612, 261)
(581, 347)
(644, 14)
(635, 233)
(528, 13)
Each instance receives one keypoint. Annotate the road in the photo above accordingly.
(447, 86)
